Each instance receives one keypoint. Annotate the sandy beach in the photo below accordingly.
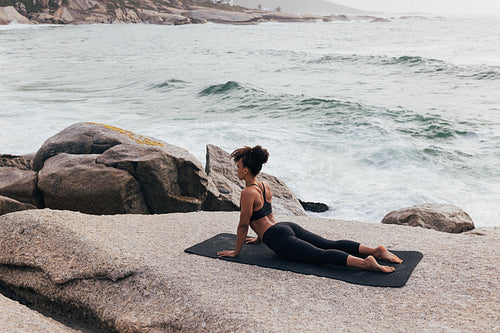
(453, 289)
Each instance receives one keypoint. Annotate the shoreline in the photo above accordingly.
(186, 291)
(72, 13)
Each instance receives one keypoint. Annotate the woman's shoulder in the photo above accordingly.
(268, 191)
(256, 189)
(266, 185)
(250, 190)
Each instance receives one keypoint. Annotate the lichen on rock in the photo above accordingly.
(140, 139)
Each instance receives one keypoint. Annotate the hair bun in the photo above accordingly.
(252, 158)
(259, 154)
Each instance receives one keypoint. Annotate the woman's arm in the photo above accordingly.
(246, 203)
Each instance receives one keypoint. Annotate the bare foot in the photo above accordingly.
(372, 265)
(383, 254)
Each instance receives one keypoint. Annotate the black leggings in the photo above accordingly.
(290, 241)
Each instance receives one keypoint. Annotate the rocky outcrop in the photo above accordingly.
(88, 268)
(155, 17)
(55, 259)
(247, 17)
(165, 12)
(18, 318)
(10, 14)
(85, 138)
(9, 205)
(335, 18)
(316, 207)
(219, 16)
(380, 19)
(128, 273)
(221, 169)
(19, 184)
(312, 18)
(441, 217)
(286, 17)
(58, 253)
(128, 15)
(418, 17)
(20, 162)
(77, 182)
(341, 18)
(101, 169)
(172, 180)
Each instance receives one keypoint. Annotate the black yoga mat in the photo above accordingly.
(261, 255)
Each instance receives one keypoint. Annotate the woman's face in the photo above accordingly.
(241, 170)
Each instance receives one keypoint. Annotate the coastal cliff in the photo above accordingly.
(163, 12)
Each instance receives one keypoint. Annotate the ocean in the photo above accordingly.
(365, 117)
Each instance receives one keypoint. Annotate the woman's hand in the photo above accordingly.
(231, 254)
(252, 240)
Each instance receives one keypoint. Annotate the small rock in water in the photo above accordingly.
(441, 217)
(316, 207)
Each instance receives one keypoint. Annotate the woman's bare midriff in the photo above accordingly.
(261, 225)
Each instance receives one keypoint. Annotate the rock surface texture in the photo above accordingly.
(19, 162)
(17, 318)
(129, 273)
(441, 217)
(19, 184)
(77, 182)
(9, 205)
(86, 138)
(10, 14)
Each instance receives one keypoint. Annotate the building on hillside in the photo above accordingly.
(224, 2)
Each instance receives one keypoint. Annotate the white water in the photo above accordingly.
(366, 117)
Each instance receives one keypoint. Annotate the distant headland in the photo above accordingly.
(163, 12)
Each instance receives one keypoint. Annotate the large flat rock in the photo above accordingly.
(442, 217)
(131, 274)
(9, 14)
(17, 318)
(219, 16)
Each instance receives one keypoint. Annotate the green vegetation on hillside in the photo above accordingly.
(32, 6)
(28, 4)
(210, 4)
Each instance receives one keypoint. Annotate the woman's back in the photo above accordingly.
(262, 216)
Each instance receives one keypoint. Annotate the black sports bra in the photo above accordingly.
(266, 208)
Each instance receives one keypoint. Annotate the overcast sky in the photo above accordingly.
(458, 7)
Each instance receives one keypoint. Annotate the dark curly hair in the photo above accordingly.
(251, 158)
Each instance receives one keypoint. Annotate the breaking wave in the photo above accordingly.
(226, 88)
(418, 64)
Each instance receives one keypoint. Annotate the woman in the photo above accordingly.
(288, 239)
